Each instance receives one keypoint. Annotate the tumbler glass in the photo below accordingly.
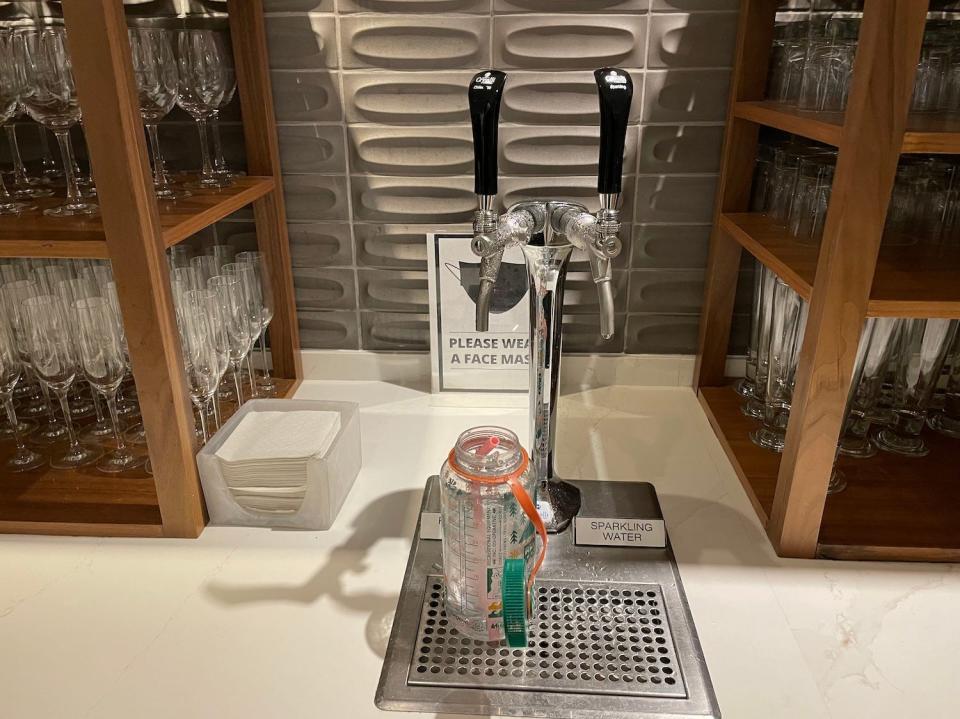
(786, 166)
(922, 349)
(826, 75)
(928, 83)
(746, 387)
(808, 211)
(786, 64)
(753, 407)
(873, 355)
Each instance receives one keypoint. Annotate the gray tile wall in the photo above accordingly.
(376, 150)
(375, 142)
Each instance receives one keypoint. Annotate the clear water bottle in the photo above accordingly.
(490, 526)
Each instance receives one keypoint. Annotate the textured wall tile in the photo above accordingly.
(395, 331)
(570, 98)
(301, 42)
(386, 150)
(688, 5)
(393, 290)
(297, 5)
(675, 199)
(544, 150)
(406, 98)
(670, 246)
(393, 246)
(666, 291)
(306, 95)
(552, 6)
(699, 40)
(680, 148)
(315, 197)
(581, 333)
(413, 199)
(685, 95)
(569, 42)
(414, 42)
(580, 294)
(324, 288)
(320, 244)
(329, 330)
(572, 189)
(427, 6)
(311, 148)
(662, 334)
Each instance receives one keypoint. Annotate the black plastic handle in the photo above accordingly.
(486, 89)
(616, 92)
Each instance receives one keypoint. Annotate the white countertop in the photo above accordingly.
(258, 623)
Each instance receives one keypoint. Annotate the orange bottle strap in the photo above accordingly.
(530, 509)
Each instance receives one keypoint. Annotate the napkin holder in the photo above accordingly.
(328, 478)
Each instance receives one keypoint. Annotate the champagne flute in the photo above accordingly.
(229, 295)
(252, 308)
(266, 309)
(50, 97)
(53, 356)
(9, 98)
(11, 368)
(201, 89)
(104, 365)
(155, 70)
(205, 356)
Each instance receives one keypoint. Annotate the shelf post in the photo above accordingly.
(874, 124)
(754, 40)
(100, 51)
(263, 158)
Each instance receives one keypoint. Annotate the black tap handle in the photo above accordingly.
(486, 89)
(616, 92)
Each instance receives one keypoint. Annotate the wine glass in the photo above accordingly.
(104, 365)
(202, 85)
(24, 186)
(52, 353)
(155, 70)
(205, 351)
(9, 97)
(50, 97)
(266, 308)
(11, 368)
(230, 87)
(230, 300)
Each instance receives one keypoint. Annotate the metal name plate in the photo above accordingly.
(619, 532)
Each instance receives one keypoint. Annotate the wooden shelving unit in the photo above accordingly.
(893, 507)
(133, 231)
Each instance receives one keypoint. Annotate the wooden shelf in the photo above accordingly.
(35, 235)
(85, 502)
(894, 508)
(912, 281)
(936, 134)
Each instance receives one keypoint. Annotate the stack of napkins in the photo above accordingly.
(264, 460)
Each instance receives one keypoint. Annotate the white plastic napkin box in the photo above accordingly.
(327, 479)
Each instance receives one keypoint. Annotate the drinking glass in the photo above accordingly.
(155, 70)
(946, 419)
(746, 387)
(786, 70)
(252, 308)
(928, 82)
(222, 255)
(9, 97)
(267, 305)
(205, 267)
(104, 365)
(877, 342)
(24, 186)
(808, 210)
(754, 405)
(826, 75)
(229, 89)
(785, 339)
(50, 97)
(236, 322)
(11, 368)
(904, 211)
(179, 256)
(922, 351)
(205, 354)
(48, 166)
(52, 353)
(202, 86)
(786, 166)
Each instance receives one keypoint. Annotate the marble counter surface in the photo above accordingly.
(257, 623)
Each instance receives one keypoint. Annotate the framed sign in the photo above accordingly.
(462, 359)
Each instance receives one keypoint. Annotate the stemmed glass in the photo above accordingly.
(229, 88)
(155, 70)
(50, 97)
(52, 353)
(230, 301)
(24, 459)
(205, 350)
(265, 287)
(24, 186)
(202, 86)
(9, 97)
(104, 365)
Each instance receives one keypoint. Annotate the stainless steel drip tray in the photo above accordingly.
(612, 637)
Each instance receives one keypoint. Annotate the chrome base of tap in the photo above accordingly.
(557, 504)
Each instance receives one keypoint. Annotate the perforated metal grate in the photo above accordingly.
(594, 638)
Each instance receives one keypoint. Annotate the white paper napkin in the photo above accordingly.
(282, 436)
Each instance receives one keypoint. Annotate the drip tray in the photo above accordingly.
(612, 637)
